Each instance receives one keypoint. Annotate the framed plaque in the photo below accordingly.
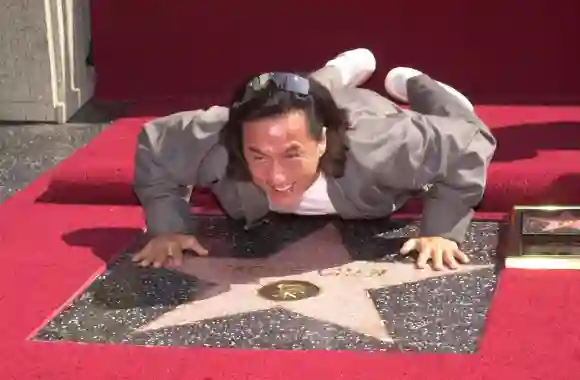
(543, 237)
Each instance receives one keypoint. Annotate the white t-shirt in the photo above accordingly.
(315, 201)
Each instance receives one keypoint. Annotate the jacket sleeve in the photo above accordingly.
(447, 160)
(168, 155)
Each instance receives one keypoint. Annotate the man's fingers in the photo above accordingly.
(158, 258)
(449, 259)
(149, 257)
(190, 242)
(409, 246)
(437, 259)
(144, 262)
(176, 254)
(442, 253)
(424, 256)
(140, 255)
(462, 257)
(165, 249)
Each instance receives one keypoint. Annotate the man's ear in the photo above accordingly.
(322, 143)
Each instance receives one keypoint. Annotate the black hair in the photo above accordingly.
(319, 107)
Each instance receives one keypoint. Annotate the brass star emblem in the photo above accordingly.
(289, 290)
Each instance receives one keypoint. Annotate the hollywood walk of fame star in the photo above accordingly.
(319, 259)
(564, 220)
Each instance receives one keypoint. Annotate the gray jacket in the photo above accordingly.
(437, 149)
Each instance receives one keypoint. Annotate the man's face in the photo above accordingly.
(282, 156)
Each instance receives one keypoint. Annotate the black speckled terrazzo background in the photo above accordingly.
(443, 314)
(29, 149)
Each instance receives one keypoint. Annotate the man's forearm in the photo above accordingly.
(449, 204)
(165, 203)
(445, 216)
(167, 216)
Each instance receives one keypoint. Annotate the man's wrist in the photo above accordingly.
(446, 220)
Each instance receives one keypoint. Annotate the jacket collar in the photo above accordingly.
(255, 206)
(254, 203)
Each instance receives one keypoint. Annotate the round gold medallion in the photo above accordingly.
(289, 290)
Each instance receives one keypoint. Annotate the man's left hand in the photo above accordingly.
(439, 250)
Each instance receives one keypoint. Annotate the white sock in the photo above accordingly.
(355, 66)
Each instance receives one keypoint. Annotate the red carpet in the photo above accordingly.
(50, 250)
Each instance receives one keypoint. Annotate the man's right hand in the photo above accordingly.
(167, 248)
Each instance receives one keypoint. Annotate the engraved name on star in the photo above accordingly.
(320, 259)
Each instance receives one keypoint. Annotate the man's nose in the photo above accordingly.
(277, 175)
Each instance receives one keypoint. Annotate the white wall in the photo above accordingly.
(43, 47)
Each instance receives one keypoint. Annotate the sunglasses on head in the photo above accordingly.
(282, 81)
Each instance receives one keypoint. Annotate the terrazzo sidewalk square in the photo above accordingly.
(294, 283)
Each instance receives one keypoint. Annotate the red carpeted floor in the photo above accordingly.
(51, 249)
(56, 235)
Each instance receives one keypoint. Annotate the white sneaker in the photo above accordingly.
(356, 66)
(396, 86)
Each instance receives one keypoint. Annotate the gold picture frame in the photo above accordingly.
(543, 237)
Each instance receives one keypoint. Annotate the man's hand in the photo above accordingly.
(437, 249)
(162, 249)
